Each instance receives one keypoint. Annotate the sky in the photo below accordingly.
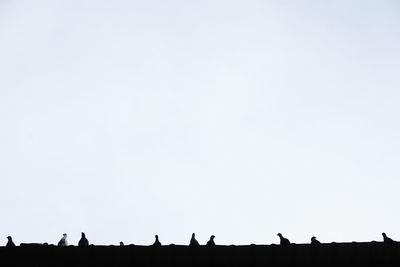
(242, 119)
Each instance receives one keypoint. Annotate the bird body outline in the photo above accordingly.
(63, 241)
(193, 241)
(83, 242)
(283, 240)
(387, 239)
(10, 243)
(314, 241)
(211, 242)
(157, 242)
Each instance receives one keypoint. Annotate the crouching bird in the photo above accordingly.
(83, 242)
(211, 242)
(387, 239)
(157, 242)
(193, 241)
(63, 241)
(284, 241)
(10, 242)
(314, 241)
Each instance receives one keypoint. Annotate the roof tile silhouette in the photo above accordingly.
(365, 254)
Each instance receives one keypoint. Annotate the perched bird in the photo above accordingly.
(387, 239)
(121, 243)
(63, 241)
(157, 243)
(83, 242)
(211, 242)
(193, 242)
(10, 242)
(314, 241)
(284, 241)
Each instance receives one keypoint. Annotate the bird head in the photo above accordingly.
(64, 235)
(193, 235)
(313, 238)
(9, 237)
(384, 234)
(83, 234)
(279, 234)
(213, 236)
(156, 236)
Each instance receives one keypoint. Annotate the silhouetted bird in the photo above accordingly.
(314, 241)
(193, 242)
(211, 242)
(284, 241)
(121, 243)
(63, 241)
(83, 242)
(10, 242)
(387, 239)
(157, 243)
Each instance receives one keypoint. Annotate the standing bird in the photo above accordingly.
(193, 242)
(387, 239)
(284, 241)
(63, 241)
(157, 243)
(10, 242)
(314, 241)
(211, 242)
(83, 242)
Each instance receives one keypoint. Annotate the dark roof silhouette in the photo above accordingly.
(157, 243)
(193, 241)
(211, 241)
(33, 244)
(283, 240)
(83, 241)
(10, 242)
(354, 254)
(314, 241)
(63, 241)
(387, 239)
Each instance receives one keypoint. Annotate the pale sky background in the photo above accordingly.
(241, 119)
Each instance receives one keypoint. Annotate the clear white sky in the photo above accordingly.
(240, 119)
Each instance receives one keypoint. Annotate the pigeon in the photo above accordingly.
(314, 241)
(83, 242)
(157, 243)
(387, 239)
(193, 242)
(63, 241)
(10, 242)
(284, 241)
(211, 242)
